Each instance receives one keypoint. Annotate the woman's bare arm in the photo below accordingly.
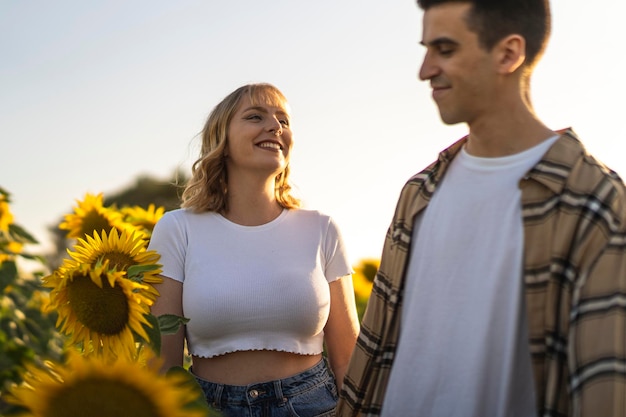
(342, 328)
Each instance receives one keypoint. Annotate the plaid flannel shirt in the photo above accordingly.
(574, 216)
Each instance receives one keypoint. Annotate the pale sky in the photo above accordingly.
(95, 93)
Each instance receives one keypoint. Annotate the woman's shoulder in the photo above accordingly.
(309, 214)
(184, 216)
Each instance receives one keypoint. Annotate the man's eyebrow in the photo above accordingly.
(439, 41)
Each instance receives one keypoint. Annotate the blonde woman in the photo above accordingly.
(266, 285)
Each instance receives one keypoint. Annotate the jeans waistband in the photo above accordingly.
(280, 389)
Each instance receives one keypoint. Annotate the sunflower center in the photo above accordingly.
(101, 397)
(95, 221)
(104, 310)
(118, 260)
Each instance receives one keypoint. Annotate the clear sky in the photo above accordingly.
(95, 93)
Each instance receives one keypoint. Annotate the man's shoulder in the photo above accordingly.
(568, 162)
(423, 175)
(603, 183)
(590, 175)
(596, 185)
(433, 172)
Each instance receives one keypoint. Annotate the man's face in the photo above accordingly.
(461, 73)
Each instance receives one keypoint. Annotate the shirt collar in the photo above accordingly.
(555, 166)
(552, 170)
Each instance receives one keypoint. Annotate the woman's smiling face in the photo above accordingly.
(259, 136)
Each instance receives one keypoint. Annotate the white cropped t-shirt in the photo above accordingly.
(252, 287)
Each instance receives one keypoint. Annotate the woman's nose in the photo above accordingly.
(275, 126)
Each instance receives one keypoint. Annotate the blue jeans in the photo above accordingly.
(312, 393)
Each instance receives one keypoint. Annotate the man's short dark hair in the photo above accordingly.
(492, 20)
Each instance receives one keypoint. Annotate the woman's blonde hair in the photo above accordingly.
(207, 188)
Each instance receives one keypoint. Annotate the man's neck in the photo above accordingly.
(507, 135)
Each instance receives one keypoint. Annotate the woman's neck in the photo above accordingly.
(253, 215)
(252, 204)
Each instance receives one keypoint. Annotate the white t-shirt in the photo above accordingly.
(463, 349)
(252, 287)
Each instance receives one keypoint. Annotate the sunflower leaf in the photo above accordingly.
(8, 274)
(191, 384)
(32, 257)
(135, 272)
(153, 332)
(20, 232)
(170, 323)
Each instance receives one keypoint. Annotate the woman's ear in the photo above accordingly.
(510, 53)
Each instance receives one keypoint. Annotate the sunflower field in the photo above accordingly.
(27, 331)
(81, 337)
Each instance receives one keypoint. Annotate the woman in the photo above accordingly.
(266, 285)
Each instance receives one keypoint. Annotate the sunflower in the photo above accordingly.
(92, 386)
(124, 252)
(363, 277)
(362, 286)
(89, 216)
(143, 219)
(99, 308)
(6, 218)
(9, 248)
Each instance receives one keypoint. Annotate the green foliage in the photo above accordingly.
(147, 190)
(135, 272)
(170, 323)
(160, 326)
(26, 333)
(192, 385)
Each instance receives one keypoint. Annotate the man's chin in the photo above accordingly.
(450, 120)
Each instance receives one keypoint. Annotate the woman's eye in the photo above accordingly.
(253, 117)
(284, 122)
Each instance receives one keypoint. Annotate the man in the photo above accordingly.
(502, 284)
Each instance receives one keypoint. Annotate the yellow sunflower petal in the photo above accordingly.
(6, 218)
(122, 251)
(99, 307)
(93, 386)
(143, 219)
(90, 215)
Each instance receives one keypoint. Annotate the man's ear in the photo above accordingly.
(510, 53)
